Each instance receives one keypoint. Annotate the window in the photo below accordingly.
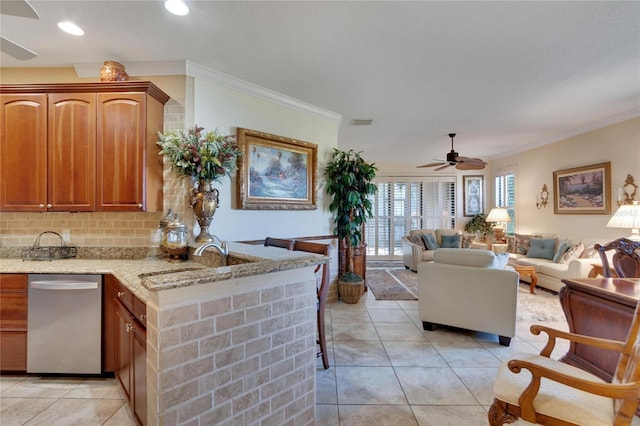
(505, 196)
(405, 203)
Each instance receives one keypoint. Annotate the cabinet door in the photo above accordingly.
(121, 145)
(123, 350)
(140, 373)
(13, 356)
(72, 152)
(23, 153)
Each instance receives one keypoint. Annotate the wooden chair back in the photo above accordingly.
(279, 242)
(317, 248)
(322, 291)
(626, 259)
(628, 371)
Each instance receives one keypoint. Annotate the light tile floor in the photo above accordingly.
(385, 370)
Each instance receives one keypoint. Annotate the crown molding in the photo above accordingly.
(228, 81)
(198, 71)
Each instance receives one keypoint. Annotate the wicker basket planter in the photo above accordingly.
(349, 291)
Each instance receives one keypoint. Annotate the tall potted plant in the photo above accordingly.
(350, 183)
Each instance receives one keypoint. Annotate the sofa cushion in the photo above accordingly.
(430, 241)
(469, 257)
(556, 270)
(563, 246)
(574, 252)
(451, 241)
(542, 247)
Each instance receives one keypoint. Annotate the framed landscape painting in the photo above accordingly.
(583, 190)
(275, 172)
(472, 195)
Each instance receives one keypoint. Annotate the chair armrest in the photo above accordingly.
(552, 333)
(617, 391)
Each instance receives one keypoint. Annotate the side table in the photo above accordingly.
(527, 270)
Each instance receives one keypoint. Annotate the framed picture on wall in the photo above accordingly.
(275, 172)
(473, 196)
(583, 190)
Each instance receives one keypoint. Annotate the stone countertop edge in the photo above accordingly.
(142, 276)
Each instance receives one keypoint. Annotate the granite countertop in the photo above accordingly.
(153, 274)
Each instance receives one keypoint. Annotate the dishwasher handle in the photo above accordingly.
(64, 285)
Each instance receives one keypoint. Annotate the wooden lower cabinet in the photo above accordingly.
(13, 322)
(126, 346)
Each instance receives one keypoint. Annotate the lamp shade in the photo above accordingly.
(499, 215)
(627, 216)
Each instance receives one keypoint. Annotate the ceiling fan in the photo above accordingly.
(454, 160)
(23, 9)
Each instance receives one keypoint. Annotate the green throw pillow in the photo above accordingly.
(451, 241)
(430, 241)
(542, 248)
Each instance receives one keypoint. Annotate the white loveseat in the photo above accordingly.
(470, 289)
(551, 273)
(414, 249)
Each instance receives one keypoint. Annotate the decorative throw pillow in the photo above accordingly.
(522, 243)
(511, 244)
(562, 248)
(573, 253)
(430, 241)
(417, 239)
(451, 241)
(589, 253)
(467, 240)
(542, 248)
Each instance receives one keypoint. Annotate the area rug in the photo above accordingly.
(402, 284)
(385, 286)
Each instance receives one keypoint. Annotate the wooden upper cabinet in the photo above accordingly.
(81, 147)
(23, 152)
(72, 152)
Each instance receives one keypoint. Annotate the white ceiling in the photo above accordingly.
(502, 75)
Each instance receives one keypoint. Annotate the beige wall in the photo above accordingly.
(618, 143)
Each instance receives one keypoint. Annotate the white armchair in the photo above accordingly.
(469, 289)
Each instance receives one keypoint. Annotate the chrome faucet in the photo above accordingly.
(222, 248)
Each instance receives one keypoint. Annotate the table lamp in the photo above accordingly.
(627, 216)
(499, 216)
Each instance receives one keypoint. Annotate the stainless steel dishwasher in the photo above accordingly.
(64, 324)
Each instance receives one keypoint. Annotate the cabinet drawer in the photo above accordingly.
(13, 283)
(140, 311)
(124, 295)
(13, 356)
(13, 312)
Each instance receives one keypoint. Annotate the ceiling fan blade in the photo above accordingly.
(21, 53)
(469, 166)
(437, 169)
(21, 8)
(439, 163)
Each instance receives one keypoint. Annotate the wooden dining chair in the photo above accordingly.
(626, 259)
(322, 289)
(278, 242)
(544, 391)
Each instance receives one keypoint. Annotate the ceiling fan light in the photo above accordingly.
(70, 28)
(177, 7)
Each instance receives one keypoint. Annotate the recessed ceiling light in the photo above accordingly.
(71, 28)
(177, 7)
